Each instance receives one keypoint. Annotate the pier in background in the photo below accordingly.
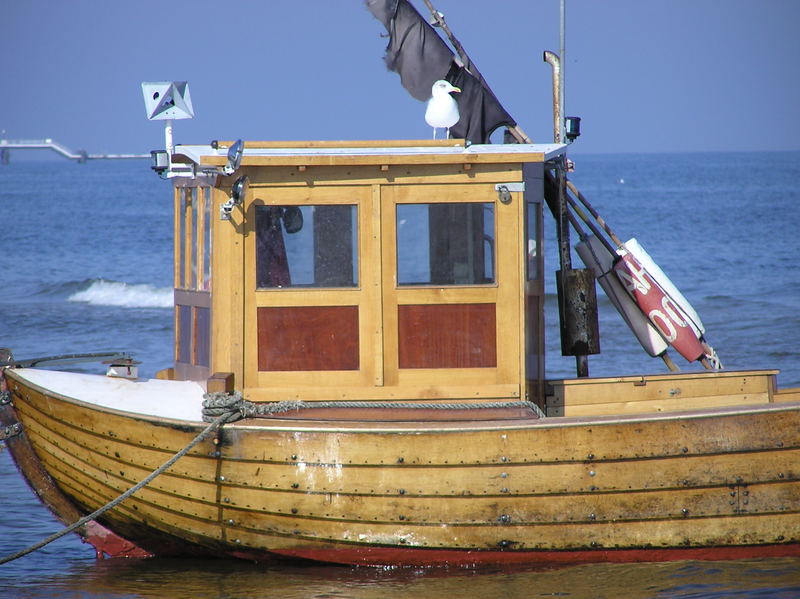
(6, 145)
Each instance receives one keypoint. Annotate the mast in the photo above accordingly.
(563, 61)
(577, 303)
(438, 21)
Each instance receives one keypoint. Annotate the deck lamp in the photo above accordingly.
(234, 158)
(238, 191)
(572, 127)
(160, 161)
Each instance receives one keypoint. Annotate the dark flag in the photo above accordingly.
(420, 56)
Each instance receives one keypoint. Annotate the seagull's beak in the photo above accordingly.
(455, 89)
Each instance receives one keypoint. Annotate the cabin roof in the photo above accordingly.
(348, 153)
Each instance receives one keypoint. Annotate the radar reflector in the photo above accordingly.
(167, 100)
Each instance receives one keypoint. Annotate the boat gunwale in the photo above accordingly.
(427, 427)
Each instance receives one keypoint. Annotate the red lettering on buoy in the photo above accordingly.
(661, 310)
(663, 324)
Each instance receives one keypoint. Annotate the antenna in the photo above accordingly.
(563, 57)
(166, 101)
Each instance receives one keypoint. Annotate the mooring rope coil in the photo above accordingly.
(220, 420)
(221, 403)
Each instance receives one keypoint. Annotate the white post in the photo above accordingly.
(169, 144)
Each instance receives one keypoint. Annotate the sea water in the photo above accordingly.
(87, 267)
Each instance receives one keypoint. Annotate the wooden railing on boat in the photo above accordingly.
(663, 393)
(787, 395)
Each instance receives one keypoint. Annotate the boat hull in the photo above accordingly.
(705, 484)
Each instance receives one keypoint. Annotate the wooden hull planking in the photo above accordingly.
(709, 484)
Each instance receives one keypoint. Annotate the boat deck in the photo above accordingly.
(182, 401)
(173, 400)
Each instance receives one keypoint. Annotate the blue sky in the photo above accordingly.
(656, 75)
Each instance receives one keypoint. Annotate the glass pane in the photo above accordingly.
(206, 283)
(445, 244)
(202, 335)
(181, 265)
(184, 332)
(193, 255)
(533, 250)
(306, 246)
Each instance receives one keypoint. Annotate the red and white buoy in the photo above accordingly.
(662, 303)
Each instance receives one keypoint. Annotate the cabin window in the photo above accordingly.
(180, 236)
(205, 283)
(532, 249)
(306, 246)
(194, 223)
(193, 268)
(193, 242)
(445, 244)
(202, 326)
(184, 346)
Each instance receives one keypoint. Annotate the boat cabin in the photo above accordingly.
(362, 270)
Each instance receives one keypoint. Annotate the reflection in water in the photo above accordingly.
(200, 579)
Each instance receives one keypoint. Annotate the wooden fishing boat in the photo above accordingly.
(379, 306)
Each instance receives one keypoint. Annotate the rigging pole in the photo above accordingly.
(438, 17)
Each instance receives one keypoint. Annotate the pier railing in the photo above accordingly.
(6, 145)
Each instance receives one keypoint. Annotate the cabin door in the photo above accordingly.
(451, 291)
(382, 292)
(313, 319)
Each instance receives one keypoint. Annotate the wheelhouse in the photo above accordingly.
(362, 270)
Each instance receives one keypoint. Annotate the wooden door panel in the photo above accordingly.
(447, 336)
(308, 338)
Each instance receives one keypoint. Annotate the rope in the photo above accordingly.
(232, 404)
(214, 424)
(220, 408)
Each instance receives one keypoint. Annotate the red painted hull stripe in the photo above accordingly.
(435, 557)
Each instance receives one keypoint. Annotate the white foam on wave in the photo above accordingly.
(117, 293)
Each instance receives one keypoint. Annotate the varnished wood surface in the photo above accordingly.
(787, 395)
(491, 366)
(447, 336)
(659, 393)
(375, 178)
(456, 385)
(104, 541)
(725, 478)
(377, 160)
(374, 153)
(412, 415)
(308, 338)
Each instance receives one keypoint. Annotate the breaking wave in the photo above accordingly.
(100, 292)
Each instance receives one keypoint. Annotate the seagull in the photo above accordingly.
(442, 110)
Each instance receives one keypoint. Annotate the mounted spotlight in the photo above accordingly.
(160, 161)
(239, 189)
(238, 192)
(234, 157)
(572, 127)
